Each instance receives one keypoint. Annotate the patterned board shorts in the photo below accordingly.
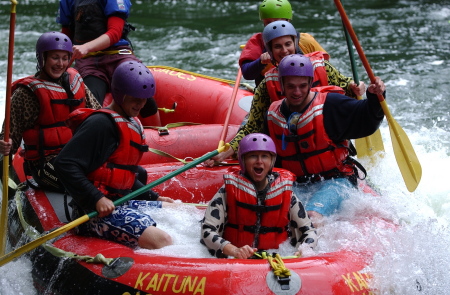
(324, 197)
(124, 225)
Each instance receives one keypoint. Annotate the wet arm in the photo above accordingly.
(92, 144)
(347, 118)
(112, 36)
(213, 224)
(252, 69)
(301, 226)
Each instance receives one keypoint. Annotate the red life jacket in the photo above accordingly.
(50, 133)
(116, 176)
(264, 225)
(320, 76)
(310, 154)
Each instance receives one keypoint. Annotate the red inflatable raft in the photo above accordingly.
(197, 99)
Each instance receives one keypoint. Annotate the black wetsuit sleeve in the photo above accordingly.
(251, 70)
(92, 144)
(348, 118)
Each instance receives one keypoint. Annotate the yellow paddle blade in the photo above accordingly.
(370, 145)
(41, 240)
(404, 152)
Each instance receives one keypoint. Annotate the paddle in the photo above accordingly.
(407, 160)
(39, 241)
(369, 145)
(230, 108)
(4, 212)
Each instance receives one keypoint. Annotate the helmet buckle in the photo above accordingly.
(125, 51)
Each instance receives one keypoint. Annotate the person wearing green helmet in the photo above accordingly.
(254, 60)
(280, 40)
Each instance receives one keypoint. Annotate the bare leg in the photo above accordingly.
(154, 238)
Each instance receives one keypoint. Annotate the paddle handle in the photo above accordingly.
(358, 47)
(59, 231)
(164, 178)
(223, 135)
(4, 208)
(351, 53)
(9, 70)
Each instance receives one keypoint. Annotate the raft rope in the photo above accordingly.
(165, 131)
(32, 233)
(246, 85)
(282, 274)
(276, 262)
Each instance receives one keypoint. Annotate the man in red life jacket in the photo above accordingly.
(39, 106)
(280, 39)
(311, 129)
(100, 163)
(256, 208)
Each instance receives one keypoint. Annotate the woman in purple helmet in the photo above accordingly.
(39, 106)
(256, 208)
(106, 168)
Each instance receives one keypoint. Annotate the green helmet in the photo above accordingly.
(275, 9)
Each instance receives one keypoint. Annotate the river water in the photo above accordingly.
(407, 43)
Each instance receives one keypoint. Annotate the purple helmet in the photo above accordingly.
(295, 65)
(134, 79)
(51, 41)
(255, 142)
(277, 29)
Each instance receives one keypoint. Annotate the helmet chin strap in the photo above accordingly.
(118, 109)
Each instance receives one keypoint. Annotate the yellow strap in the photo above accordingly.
(108, 52)
(277, 264)
(172, 125)
(161, 153)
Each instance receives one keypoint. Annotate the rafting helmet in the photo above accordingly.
(256, 142)
(275, 9)
(295, 65)
(134, 79)
(51, 41)
(277, 29)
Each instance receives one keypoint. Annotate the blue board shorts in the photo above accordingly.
(124, 225)
(324, 197)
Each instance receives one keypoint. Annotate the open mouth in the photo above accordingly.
(258, 170)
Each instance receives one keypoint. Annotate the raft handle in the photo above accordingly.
(284, 282)
(163, 131)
